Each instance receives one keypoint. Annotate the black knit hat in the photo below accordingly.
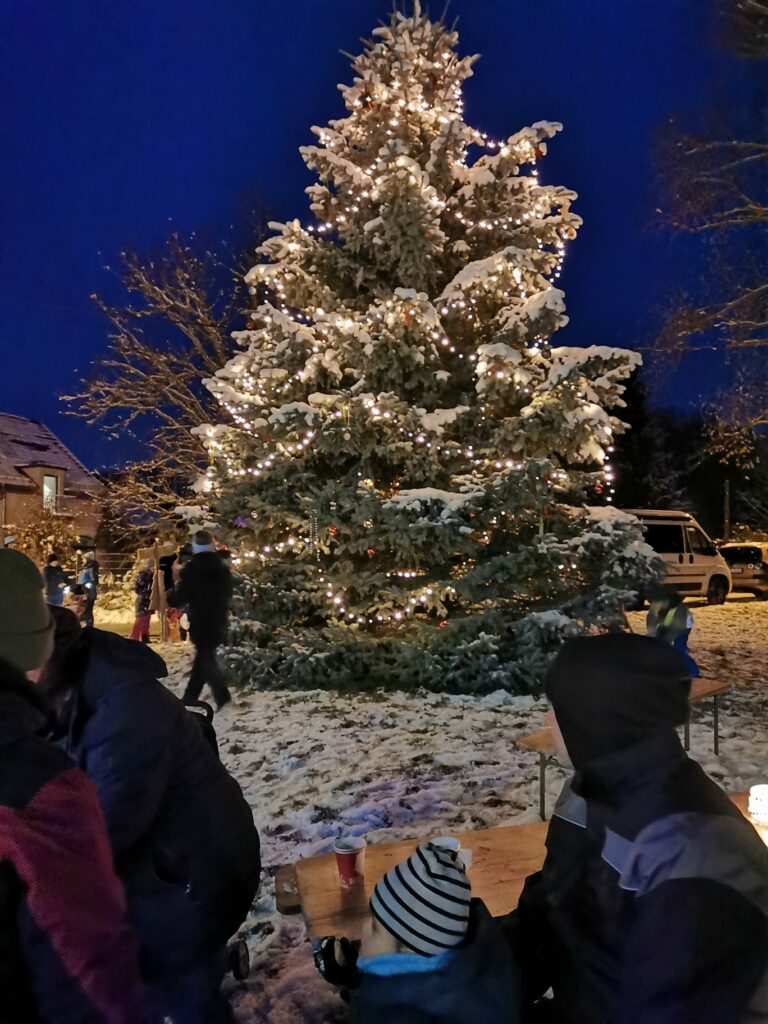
(612, 691)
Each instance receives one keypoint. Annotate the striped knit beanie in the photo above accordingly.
(424, 902)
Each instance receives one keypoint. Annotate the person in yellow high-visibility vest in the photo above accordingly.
(671, 621)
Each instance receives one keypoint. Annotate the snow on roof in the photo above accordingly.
(25, 443)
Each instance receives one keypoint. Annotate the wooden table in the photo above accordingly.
(541, 742)
(502, 858)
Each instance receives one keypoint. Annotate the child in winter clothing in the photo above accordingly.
(669, 620)
(429, 953)
(143, 590)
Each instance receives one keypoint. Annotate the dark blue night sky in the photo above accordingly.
(121, 118)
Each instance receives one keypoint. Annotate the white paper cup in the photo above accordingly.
(447, 842)
(452, 843)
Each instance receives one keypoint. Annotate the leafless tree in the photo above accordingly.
(746, 24)
(174, 330)
(716, 187)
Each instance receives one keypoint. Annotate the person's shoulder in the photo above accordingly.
(692, 845)
(118, 669)
(29, 766)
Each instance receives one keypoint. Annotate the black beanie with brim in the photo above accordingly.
(613, 691)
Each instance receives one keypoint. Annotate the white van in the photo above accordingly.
(694, 565)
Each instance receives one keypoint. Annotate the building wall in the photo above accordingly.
(22, 505)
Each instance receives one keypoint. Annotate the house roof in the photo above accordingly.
(25, 443)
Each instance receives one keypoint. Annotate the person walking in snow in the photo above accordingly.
(142, 588)
(55, 581)
(183, 838)
(652, 904)
(67, 954)
(430, 954)
(204, 590)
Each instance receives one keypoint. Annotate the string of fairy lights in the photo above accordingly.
(506, 284)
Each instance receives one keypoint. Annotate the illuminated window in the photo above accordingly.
(50, 492)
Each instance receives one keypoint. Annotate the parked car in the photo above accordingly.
(748, 561)
(694, 566)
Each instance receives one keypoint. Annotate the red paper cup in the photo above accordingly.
(350, 859)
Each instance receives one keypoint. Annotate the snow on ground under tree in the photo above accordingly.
(400, 765)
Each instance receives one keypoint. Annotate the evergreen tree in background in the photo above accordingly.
(650, 469)
(404, 482)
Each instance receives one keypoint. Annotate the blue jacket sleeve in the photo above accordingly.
(696, 952)
(125, 752)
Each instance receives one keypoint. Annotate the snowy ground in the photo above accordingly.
(393, 766)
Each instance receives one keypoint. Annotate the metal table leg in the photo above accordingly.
(716, 724)
(543, 785)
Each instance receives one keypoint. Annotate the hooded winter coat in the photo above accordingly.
(55, 580)
(476, 983)
(652, 905)
(183, 837)
(204, 590)
(142, 588)
(67, 955)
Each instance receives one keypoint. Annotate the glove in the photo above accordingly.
(336, 960)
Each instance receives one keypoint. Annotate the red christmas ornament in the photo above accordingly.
(371, 552)
(598, 488)
(443, 623)
(539, 152)
(333, 530)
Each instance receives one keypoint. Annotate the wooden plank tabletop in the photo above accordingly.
(540, 741)
(502, 858)
(701, 689)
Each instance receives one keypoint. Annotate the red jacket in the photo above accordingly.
(66, 953)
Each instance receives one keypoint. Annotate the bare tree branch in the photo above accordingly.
(172, 332)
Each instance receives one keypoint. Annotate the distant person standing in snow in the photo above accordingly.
(204, 590)
(142, 588)
(671, 621)
(56, 581)
(185, 555)
(89, 578)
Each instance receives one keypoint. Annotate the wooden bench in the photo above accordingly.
(502, 858)
(541, 742)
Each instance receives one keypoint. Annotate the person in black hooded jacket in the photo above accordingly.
(204, 590)
(182, 834)
(652, 905)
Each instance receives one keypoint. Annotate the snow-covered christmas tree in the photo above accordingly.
(406, 458)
